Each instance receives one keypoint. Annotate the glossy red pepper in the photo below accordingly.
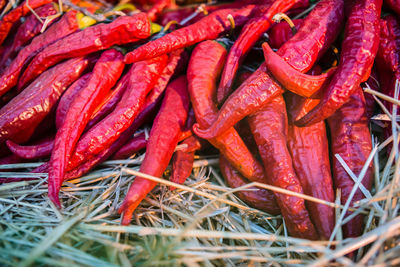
(19, 118)
(208, 28)
(317, 33)
(65, 26)
(351, 140)
(249, 35)
(359, 48)
(204, 68)
(36, 151)
(163, 139)
(280, 33)
(14, 15)
(269, 127)
(123, 30)
(105, 74)
(260, 198)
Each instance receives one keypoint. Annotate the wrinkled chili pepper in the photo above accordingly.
(359, 48)
(163, 139)
(394, 5)
(258, 198)
(182, 165)
(317, 33)
(249, 35)
(351, 140)
(269, 127)
(123, 30)
(14, 15)
(136, 144)
(309, 149)
(65, 26)
(105, 74)
(281, 32)
(204, 68)
(208, 28)
(19, 118)
(40, 150)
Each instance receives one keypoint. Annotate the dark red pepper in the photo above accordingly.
(36, 151)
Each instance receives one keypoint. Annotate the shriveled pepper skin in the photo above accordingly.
(351, 139)
(123, 30)
(359, 48)
(260, 198)
(164, 136)
(315, 36)
(208, 28)
(14, 15)
(249, 35)
(269, 127)
(105, 74)
(182, 165)
(65, 26)
(36, 151)
(309, 149)
(19, 118)
(204, 68)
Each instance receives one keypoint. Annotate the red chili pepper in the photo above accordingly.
(280, 33)
(204, 68)
(319, 30)
(14, 15)
(295, 81)
(19, 118)
(158, 7)
(182, 165)
(65, 26)
(269, 127)
(105, 74)
(249, 35)
(351, 140)
(68, 97)
(394, 5)
(163, 139)
(208, 28)
(359, 47)
(373, 83)
(134, 145)
(40, 150)
(260, 198)
(309, 149)
(123, 30)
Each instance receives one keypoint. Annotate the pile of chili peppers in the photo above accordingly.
(279, 101)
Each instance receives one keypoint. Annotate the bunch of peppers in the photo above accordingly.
(78, 89)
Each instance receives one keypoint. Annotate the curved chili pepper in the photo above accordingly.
(317, 33)
(42, 149)
(208, 28)
(105, 74)
(19, 118)
(142, 78)
(14, 15)
(351, 139)
(359, 48)
(163, 139)
(123, 30)
(68, 97)
(204, 68)
(280, 33)
(309, 149)
(157, 8)
(250, 33)
(134, 145)
(394, 5)
(65, 26)
(269, 127)
(295, 81)
(258, 198)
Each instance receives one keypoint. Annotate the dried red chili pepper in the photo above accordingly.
(269, 127)
(208, 28)
(158, 7)
(317, 33)
(309, 149)
(36, 151)
(351, 140)
(249, 35)
(19, 118)
(14, 15)
(182, 165)
(204, 68)
(123, 30)
(373, 83)
(280, 33)
(258, 198)
(65, 26)
(163, 139)
(359, 47)
(105, 74)
(134, 145)
(394, 5)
